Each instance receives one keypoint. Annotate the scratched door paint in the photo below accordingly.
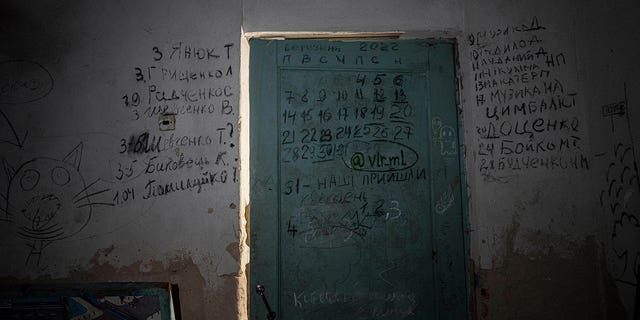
(356, 189)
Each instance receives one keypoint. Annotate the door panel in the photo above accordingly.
(356, 202)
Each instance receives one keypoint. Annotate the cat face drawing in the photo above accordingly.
(48, 200)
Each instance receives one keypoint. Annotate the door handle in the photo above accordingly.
(260, 290)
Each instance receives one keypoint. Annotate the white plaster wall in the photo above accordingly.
(557, 211)
(90, 49)
(535, 199)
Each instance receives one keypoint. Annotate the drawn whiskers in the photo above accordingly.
(81, 198)
(51, 232)
(9, 210)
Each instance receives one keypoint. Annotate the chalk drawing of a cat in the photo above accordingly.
(47, 200)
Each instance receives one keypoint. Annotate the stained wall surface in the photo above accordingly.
(97, 187)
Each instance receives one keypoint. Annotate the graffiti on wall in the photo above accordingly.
(619, 200)
(48, 200)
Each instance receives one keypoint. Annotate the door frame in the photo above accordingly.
(245, 291)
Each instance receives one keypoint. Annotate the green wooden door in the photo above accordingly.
(356, 189)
